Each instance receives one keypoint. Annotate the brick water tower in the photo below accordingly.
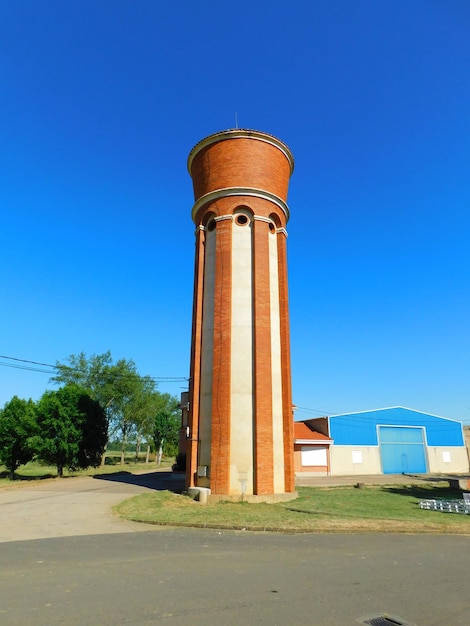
(240, 423)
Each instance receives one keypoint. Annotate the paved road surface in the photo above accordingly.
(91, 568)
(74, 506)
(200, 577)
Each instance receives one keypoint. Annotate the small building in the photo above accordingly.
(393, 440)
(311, 451)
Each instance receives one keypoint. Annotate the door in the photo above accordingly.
(402, 450)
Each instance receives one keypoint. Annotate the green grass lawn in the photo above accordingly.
(340, 509)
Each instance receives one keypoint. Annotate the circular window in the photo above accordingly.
(241, 219)
(272, 228)
(211, 225)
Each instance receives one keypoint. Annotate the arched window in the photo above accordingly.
(209, 222)
(275, 222)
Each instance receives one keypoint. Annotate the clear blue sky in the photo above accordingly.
(101, 102)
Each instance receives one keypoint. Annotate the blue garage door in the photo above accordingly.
(402, 450)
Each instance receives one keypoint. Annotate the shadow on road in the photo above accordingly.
(160, 481)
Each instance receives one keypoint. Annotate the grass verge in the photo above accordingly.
(393, 508)
(38, 471)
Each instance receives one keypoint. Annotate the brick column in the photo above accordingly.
(263, 427)
(221, 376)
(195, 367)
(288, 418)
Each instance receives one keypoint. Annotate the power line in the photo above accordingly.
(57, 369)
(322, 413)
(25, 364)
(25, 367)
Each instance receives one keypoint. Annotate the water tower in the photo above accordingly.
(240, 422)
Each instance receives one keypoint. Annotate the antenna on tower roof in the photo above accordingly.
(236, 120)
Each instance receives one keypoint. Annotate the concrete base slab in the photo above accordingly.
(270, 498)
(201, 494)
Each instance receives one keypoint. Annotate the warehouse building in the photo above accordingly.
(384, 441)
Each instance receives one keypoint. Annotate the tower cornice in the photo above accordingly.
(241, 133)
(212, 196)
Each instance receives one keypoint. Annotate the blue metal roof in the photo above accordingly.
(360, 429)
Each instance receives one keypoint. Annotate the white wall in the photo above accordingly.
(442, 460)
(350, 460)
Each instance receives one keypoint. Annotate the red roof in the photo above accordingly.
(302, 431)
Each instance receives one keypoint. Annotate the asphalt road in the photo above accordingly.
(91, 568)
(199, 577)
(74, 506)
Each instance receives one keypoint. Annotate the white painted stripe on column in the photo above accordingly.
(207, 352)
(241, 422)
(278, 432)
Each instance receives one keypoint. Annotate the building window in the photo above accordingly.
(314, 456)
(357, 456)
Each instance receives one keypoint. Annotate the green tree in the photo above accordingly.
(142, 409)
(17, 426)
(94, 432)
(71, 429)
(131, 403)
(117, 386)
(167, 424)
(95, 374)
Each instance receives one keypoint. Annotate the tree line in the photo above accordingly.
(98, 400)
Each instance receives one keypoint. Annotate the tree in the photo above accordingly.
(17, 426)
(142, 409)
(118, 387)
(145, 423)
(94, 431)
(167, 424)
(71, 429)
(95, 374)
(132, 402)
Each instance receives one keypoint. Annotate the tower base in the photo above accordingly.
(270, 498)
